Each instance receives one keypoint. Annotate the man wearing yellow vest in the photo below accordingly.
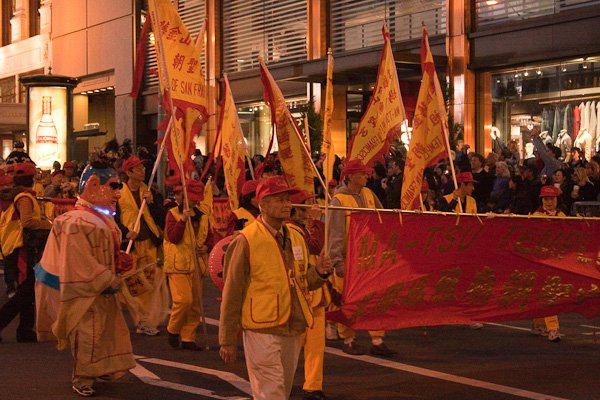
(23, 220)
(147, 310)
(267, 273)
(353, 194)
(180, 267)
(466, 185)
(308, 223)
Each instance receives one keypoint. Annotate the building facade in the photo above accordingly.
(505, 64)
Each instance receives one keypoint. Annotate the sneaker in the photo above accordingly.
(353, 349)
(190, 346)
(331, 332)
(314, 395)
(553, 335)
(84, 391)
(146, 330)
(173, 340)
(382, 350)
(476, 326)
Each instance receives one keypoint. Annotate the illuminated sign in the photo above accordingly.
(47, 125)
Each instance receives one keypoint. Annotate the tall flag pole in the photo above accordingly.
(382, 122)
(298, 166)
(232, 146)
(327, 148)
(429, 142)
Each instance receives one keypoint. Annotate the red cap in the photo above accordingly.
(25, 169)
(274, 185)
(301, 197)
(131, 162)
(5, 180)
(249, 187)
(355, 167)
(465, 177)
(333, 183)
(425, 186)
(549, 191)
(57, 172)
(69, 164)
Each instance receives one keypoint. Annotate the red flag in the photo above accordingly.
(140, 60)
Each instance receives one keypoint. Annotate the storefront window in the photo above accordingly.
(561, 99)
(255, 119)
(7, 90)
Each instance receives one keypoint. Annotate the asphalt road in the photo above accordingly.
(498, 362)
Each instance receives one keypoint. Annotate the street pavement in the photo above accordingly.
(499, 362)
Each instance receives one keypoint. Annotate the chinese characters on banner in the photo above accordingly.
(295, 161)
(429, 271)
(430, 126)
(232, 146)
(186, 80)
(383, 119)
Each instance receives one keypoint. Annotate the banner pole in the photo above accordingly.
(136, 226)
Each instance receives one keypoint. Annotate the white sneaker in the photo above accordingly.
(553, 335)
(331, 331)
(146, 330)
(539, 331)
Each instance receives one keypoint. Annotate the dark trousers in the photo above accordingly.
(22, 303)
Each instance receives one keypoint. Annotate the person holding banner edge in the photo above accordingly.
(354, 194)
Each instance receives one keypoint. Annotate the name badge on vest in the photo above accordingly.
(298, 253)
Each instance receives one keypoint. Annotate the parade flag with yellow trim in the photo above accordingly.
(430, 127)
(327, 148)
(294, 158)
(232, 146)
(182, 68)
(382, 122)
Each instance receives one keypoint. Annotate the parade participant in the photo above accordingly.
(449, 203)
(79, 274)
(248, 209)
(54, 189)
(266, 273)
(426, 202)
(6, 211)
(23, 237)
(354, 194)
(548, 326)
(18, 155)
(149, 311)
(180, 267)
(69, 168)
(307, 222)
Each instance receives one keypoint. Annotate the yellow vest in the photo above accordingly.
(471, 204)
(130, 210)
(242, 213)
(178, 256)
(268, 300)
(11, 232)
(348, 200)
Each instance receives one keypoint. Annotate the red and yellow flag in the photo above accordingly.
(232, 146)
(180, 67)
(430, 129)
(294, 158)
(383, 119)
(327, 148)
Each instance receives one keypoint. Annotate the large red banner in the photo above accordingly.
(425, 270)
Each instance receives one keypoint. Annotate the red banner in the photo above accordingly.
(221, 217)
(427, 270)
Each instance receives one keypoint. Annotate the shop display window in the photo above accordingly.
(561, 99)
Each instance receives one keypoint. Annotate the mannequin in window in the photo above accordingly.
(546, 138)
(584, 142)
(564, 143)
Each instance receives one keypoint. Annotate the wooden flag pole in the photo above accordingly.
(136, 226)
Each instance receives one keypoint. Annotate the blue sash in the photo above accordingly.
(45, 277)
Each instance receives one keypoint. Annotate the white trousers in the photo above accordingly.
(271, 361)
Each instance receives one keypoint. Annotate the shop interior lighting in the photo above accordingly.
(584, 65)
(526, 73)
(491, 2)
(564, 68)
(538, 72)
